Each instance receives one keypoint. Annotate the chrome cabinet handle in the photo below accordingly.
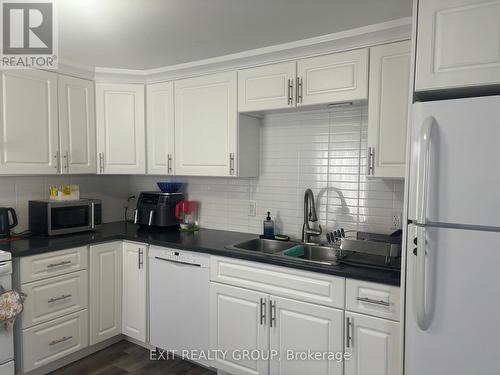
(151, 213)
(62, 339)
(101, 162)
(136, 211)
(140, 262)
(371, 160)
(272, 313)
(374, 301)
(290, 91)
(231, 163)
(63, 263)
(60, 298)
(57, 156)
(348, 332)
(66, 160)
(169, 164)
(262, 311)
(299, 90)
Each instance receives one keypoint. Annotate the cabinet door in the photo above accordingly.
(160, 128)
(333, 78)
(134, 310)
(373, 344)
(206, 125)
(105, 291)
(238, 322)
(458, 44)
(77, 125)
(267, 87)
(298, 327)
(388, 109)
(120, 128)
(29, 132)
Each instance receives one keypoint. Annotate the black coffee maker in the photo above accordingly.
(5, 222)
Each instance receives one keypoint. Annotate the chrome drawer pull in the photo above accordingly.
(62, 339)
(55, 299)
(272, 312)
(348, 334)
(63, 263)
(374, 301)
(262, 311)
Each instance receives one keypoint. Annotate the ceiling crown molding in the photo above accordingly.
(366, 36)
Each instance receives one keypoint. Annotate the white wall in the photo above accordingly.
(324, 150)
(17, 191)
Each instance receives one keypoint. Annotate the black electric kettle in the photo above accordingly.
(5, 225)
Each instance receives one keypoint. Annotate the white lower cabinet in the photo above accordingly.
(237, 323)
(274, 328)
(134, 296)
(374, 345)
(105, 291)
(298, 328)
(47, 342)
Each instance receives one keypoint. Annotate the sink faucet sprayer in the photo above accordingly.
(309, 215)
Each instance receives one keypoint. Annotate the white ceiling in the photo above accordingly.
(143, 34)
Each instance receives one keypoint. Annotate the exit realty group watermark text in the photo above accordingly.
(249, 355)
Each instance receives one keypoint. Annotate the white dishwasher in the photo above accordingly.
(179, 300)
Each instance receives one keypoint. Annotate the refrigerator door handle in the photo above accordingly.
(423, 320)
(424, 159)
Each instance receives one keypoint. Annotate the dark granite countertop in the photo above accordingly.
(205, 240)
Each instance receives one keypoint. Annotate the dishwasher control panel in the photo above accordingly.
(180, 256)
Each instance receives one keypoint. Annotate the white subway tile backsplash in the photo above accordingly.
(324, 150)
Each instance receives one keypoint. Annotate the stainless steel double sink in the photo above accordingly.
(306, 252)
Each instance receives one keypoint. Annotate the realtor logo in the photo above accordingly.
(29, 35)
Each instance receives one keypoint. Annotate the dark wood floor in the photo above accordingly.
(127, 358)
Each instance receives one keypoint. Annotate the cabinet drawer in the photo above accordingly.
(54, 297)
(56, 263)
(281, 281)
(373, 299)
(50, 341)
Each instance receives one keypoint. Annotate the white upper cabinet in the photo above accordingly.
(208, 131)
(332, 78)
(120, 128)
(160, 128)
(77, 125)
(29, 129)
(458, 44)
(267, 87)
(206, 124)
(388, 109)
(374, 345)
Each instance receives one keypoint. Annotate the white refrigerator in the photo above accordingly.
(453, 251)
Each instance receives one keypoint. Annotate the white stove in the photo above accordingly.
(6, 333)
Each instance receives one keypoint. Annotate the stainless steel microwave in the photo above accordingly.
(62, 217)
